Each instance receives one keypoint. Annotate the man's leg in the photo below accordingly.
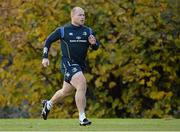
(58, 96)
(62, 93)
(79, 82)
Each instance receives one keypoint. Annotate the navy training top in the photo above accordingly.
(74, 43)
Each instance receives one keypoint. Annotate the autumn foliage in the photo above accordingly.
(135, 73)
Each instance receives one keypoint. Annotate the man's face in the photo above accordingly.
(79, 17)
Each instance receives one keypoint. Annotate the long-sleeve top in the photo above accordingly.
(74, 42)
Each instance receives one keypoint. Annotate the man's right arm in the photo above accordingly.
(54, 36)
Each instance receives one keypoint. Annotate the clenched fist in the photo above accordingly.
(92, 39)
(45, 62)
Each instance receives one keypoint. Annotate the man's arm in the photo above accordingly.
(93, 42)
(54, 36)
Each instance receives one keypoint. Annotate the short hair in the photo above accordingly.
(74, 10)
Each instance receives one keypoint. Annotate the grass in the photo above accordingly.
(98, 125)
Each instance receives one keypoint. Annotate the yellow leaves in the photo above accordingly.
(121, 11)
(38, 31)
(153, 79)
(116, 103)
(2, 100)
(1, 71)
(177, 42)
(142, 82)
(159, 95)
(149, 83)
(153, 112)
(143, 67)
(112, 84)
(169, 95)
(104, 69)
(99, 81)
(89, 77)
(41, 35)
(4, 63)
(110, 36)
(16, 29)
(94, 54)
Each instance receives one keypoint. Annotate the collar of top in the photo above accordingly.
(74, 26)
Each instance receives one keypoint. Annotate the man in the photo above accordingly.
(75, 41)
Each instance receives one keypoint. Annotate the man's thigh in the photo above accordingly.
(78, 80)
(67, 88)
(70, 71)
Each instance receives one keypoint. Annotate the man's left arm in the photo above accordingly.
(93, 42)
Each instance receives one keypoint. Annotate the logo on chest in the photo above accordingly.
(78, 37)
(84, 33)
(70, 34)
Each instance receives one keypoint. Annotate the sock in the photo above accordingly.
(49, 105)
(82, 116)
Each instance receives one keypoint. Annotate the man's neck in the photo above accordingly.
(74, 24)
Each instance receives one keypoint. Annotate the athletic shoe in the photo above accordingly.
(85, 122)
(45, 111)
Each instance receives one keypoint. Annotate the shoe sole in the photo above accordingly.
(85, 124)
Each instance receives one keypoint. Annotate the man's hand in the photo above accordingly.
(45, 62)
(92, 39)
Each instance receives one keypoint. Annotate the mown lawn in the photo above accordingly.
(97, 125)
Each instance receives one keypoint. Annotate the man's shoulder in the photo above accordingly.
(63, 26)
(67, 25)
(86, 27)
(60, 29)
(89, 29)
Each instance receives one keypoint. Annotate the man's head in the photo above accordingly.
(77, 16)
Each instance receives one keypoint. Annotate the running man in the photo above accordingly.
(75, 41)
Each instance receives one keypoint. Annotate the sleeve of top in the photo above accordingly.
(54, 36)
(95, 46)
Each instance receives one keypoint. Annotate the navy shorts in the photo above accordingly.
(69, 68)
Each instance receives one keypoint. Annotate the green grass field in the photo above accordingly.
(97, 125)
